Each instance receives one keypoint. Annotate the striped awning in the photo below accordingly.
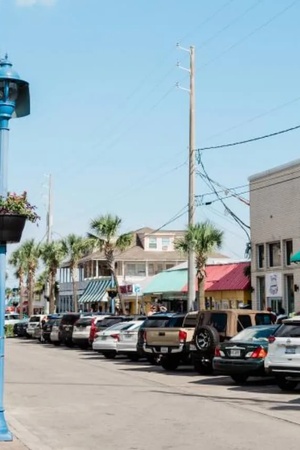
(95, 291)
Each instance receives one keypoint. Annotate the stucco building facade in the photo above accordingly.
(275, 237)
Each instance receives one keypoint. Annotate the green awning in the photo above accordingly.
(295, 258)
(168, 281)
(95, 291)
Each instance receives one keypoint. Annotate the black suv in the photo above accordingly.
(66, 328)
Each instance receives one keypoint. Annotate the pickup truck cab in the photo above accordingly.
(171, 340)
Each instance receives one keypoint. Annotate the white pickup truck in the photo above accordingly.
(172, 341)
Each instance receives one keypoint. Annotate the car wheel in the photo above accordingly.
(206, 339)
(239, 378)
(284, 384)
(56, 343)
(109, 355)
(203, 365)
(169, 363)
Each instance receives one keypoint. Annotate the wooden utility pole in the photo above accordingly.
(191, 254)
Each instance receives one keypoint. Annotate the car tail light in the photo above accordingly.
(217, 352)
(271, 339)
(93, 330)
(182, 335)
(259, 352)
(115, 336)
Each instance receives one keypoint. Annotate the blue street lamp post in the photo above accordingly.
(14, 102)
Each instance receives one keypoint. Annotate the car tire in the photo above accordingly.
(56, 343)
(169, 363)
(284, 384)
(206, 339)
(203, 365)
(109, 355)
(240, 378)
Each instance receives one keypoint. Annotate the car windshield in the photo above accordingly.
(252, 334)
(13, 316)
(289, 330)
(120, 326)
(34, 319)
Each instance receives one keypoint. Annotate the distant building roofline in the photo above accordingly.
(274, 170)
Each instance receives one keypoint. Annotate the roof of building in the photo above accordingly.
(274, 170)
(219, 277)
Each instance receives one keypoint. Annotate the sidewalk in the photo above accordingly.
(14, 445)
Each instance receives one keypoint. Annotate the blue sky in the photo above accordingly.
(109, 124)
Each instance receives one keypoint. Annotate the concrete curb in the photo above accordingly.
(26, 437)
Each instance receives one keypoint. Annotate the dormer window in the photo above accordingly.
(152, 242)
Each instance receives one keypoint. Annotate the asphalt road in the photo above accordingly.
(64, 399)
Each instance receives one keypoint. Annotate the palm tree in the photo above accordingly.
(31, 254)
(18, 261)
(53, 254)
(202, 238)
(105, 235)
(75, 247)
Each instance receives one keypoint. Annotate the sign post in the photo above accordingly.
(137, 290)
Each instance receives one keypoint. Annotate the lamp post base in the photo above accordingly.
(5, 434)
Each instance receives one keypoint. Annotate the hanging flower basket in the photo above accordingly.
(14, 211)
(11, 228)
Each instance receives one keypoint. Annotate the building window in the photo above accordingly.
(261, 293)
(165, 243)
(135, 270)
(159, 268)
(274, 254)
(150, 269)
(152, 242)
(288, 252)
(260, 256)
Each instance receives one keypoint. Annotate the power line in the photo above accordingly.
(205, 21)
(252, 119)
(230, 24)
(232, 144)
(243, 39)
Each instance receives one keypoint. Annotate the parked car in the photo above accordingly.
(171, 341)
(38, 332)
(47, 327)
(34, 322)
(81, 332)
(93, 328)
(55, 332)
(106, 341)
(215, 326)
(283, 359)
(20, 328)
(11, 318)
(127, 342)
(156, 320)
(66, 328)
(243, 355)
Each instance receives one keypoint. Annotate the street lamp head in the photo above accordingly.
(14, 92)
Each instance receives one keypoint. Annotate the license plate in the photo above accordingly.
(103, 338)
(235, 352)
(164, 349)
(290, 350)
(127, 336)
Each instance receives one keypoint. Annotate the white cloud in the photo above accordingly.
(26, 3)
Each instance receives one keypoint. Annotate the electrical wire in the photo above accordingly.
(232, 214)
(252, 119)
(229, 25)
(243, 39)
(247, 141)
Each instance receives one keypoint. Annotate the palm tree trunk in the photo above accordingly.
(30, 294)
(201, 284)
(52, 292)
(119, 291)
(21, 291)
(75, 304)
